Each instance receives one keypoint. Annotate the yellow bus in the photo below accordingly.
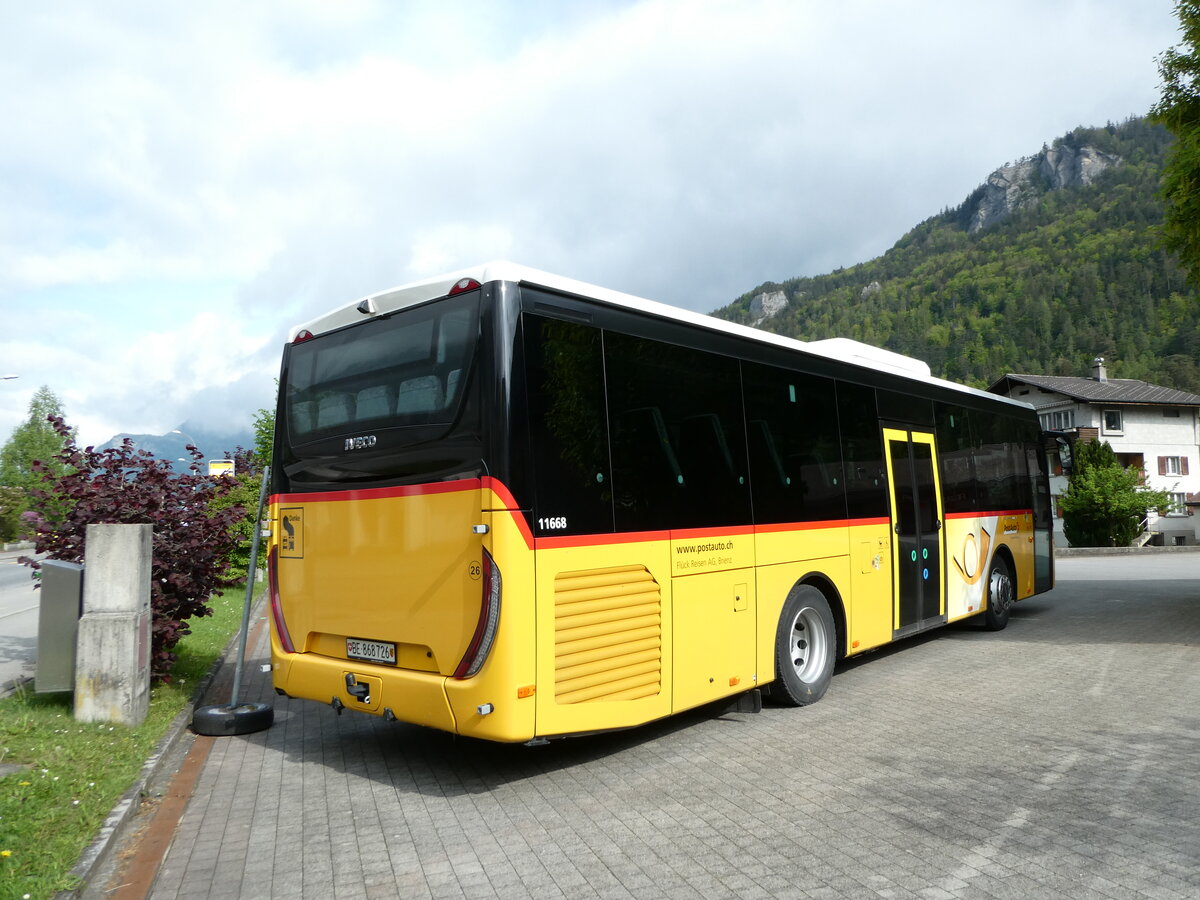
(514, 506)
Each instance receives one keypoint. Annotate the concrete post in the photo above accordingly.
(112, 659)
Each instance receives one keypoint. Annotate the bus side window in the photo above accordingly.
(956, 455)
(1000, 462)
(862, 452)
(647, 473)
(795, 460)
(568, 427)
(765, 461)
(704, 447)
(679, 453)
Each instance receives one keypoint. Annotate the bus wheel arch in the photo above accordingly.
(807, 643)
(1000, 589)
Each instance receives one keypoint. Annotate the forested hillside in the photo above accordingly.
(1070, 274)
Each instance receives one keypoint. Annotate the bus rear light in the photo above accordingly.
(489, 619)
(462, 285)
(285, 639)
(302, 336)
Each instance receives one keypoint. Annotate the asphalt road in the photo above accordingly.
(18, 619)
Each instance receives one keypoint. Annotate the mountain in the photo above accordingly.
(1053, 261)
(173, 445)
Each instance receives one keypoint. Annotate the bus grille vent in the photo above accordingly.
(607, 635)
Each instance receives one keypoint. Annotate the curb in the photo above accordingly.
(10, 687)
(1067, 552)
(117, 824)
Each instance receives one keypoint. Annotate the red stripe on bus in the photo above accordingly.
(813, 526)
(688, 534)
(509, 505)
(592, 540)
(983, 514)
(500, 489)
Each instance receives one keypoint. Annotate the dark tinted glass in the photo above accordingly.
(956, 452)
(568, 427)
(403, 369)
(862, 452)
(678, 440)
(927, 517)
(904, 408)
(1000, 464)
(906, 522)
(792, 434)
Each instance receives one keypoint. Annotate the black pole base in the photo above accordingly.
(226, 721)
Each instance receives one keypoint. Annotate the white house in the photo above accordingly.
(1156, 429)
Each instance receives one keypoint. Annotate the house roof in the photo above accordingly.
(1114, 390)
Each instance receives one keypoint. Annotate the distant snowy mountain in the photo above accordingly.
(173, 445)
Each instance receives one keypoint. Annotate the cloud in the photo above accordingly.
(180, 184)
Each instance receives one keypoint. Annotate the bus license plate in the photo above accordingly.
(372, 651)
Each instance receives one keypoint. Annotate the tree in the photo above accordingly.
(33, 439)
(1105, 502)
(264, 436)
(243, 487)
(192, 541)
(13, 502)
(1179, 111)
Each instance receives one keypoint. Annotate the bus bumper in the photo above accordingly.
(416, 697)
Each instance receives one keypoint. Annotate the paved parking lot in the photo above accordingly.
(1060, 757)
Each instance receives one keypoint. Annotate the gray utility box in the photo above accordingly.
(58, 621)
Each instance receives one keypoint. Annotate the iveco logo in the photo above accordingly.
(360, 443)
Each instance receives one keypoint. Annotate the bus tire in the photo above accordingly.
(1000, 594)
(805, 648)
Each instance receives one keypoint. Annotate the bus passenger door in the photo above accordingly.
(916, 519)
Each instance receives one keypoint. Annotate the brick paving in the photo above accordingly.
(1060, 757)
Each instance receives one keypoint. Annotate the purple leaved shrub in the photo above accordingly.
(193, 532)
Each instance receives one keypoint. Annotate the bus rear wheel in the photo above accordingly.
(805, 648)
(1000, 594)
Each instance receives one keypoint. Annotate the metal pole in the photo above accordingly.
(241, 657)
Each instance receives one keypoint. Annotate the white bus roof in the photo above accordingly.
(843, 349)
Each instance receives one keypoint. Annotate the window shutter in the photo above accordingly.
(1162, 465)
(1183, 465)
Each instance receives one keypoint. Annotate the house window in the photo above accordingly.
(1112, 422)
(1172, 465)
(1177, 505)
(1058, 421)
(1170, 412)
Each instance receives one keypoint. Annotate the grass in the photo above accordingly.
(71, 774)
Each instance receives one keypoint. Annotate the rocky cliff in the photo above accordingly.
(1065, 165)
(767, 305)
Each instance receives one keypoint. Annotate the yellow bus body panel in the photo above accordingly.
(594, 633)
(600, 667)
(507, 683)
(971, 544)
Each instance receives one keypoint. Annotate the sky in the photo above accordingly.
(181, 183)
